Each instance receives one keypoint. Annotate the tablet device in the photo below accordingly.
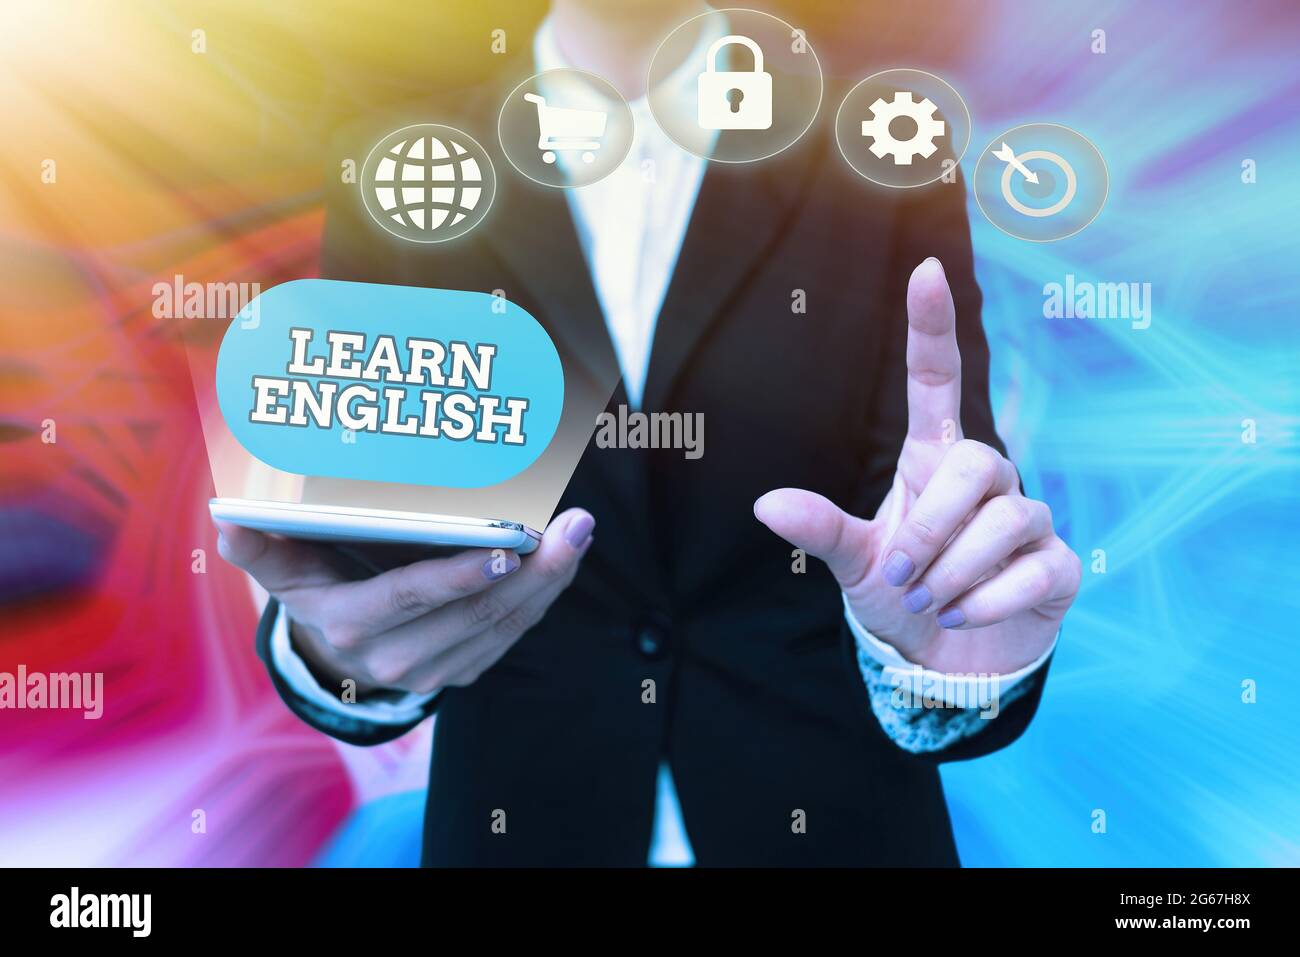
(332, 523)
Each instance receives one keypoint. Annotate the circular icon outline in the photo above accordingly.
(961, 101)
(553, 162)
(367, 184)
(821, 86)
(1071, 184)
(1029, 239)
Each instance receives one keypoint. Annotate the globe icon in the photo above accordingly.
(428, 183)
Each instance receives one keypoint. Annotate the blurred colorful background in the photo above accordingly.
(168, 159)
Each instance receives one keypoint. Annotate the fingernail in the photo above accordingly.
(499, 566)
(897, 569)
(917, 600)
(932, 259)
(952, 618)
(579, 530)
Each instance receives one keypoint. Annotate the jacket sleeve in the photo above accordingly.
(945, 733)
(332, 720)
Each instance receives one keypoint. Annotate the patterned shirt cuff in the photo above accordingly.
(924, 711)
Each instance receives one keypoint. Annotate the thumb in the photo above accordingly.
(822, 529)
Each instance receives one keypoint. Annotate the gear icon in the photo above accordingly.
(928, 128)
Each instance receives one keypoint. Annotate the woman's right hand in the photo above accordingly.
(422, 627)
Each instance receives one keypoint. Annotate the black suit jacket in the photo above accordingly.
(760, 708)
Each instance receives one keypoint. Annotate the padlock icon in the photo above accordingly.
(734, 100)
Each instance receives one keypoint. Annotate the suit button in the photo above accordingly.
(650, 640)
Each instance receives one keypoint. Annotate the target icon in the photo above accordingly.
(1041, 182)
(1071, 183)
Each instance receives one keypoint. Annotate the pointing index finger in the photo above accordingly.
(933, 360)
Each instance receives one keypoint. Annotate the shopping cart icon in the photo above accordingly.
(564, 129)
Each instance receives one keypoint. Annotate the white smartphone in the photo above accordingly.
(332, 523)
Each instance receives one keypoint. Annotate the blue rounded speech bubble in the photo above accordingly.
(390, 383)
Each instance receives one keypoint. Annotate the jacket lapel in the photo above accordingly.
(741, 213)
(535, 239)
